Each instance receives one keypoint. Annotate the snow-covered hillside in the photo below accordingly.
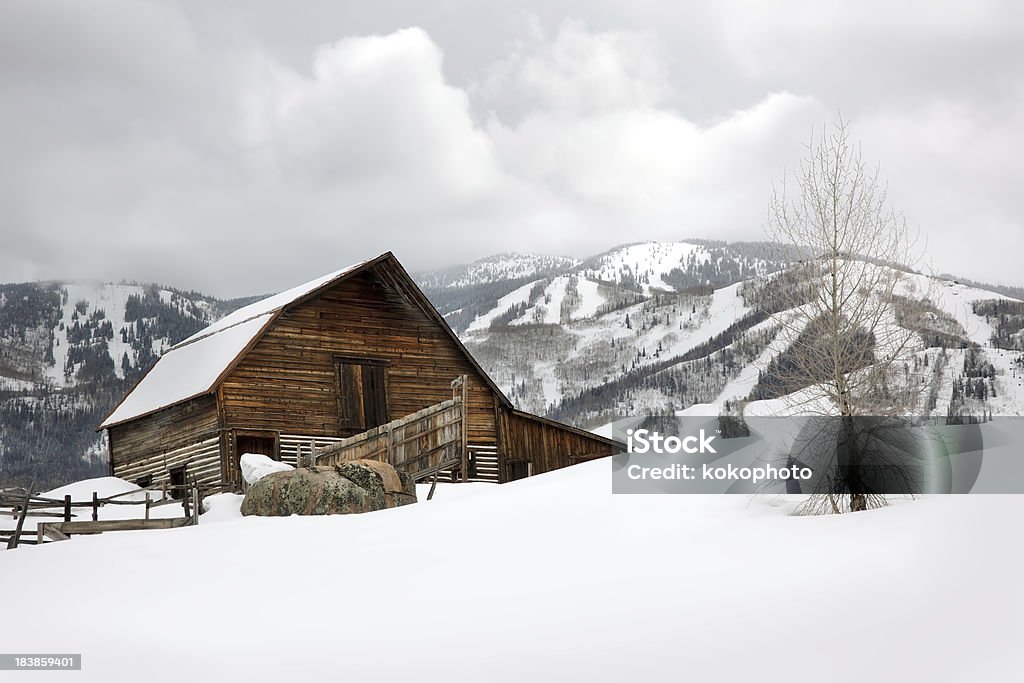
(613, 338)
(548, 578)
(509, 266)
(85, 331)
(622, 274)
(646, 264)
(110, 303)
(68, 352)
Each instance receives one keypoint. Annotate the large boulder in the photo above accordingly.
(357, 486)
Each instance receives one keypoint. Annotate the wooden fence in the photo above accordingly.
(20, 504)
(421, 444)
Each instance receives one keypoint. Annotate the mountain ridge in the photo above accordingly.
(646, 327)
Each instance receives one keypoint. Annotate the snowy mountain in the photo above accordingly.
(646, 328)
(508, 266)
(503, 287)
(655, 328)
(68, 352)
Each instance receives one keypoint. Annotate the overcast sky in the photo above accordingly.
(242, 147)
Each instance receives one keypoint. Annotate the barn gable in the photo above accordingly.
(197, 365)
(362, 330)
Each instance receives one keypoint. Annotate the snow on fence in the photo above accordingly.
(21, 504)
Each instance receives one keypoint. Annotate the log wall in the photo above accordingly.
(288, 381)
(152, 444)
(201, 460)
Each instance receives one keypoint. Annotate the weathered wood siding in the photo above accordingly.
(200, 460)
(296, 446)
(545, 444)
(417, 444)
(289, 380)
(141, 447)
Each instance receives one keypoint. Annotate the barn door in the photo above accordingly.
(261, 443)
(362, 394)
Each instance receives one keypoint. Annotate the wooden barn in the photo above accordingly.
(351, 362)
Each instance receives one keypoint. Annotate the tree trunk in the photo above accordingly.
(850, 462)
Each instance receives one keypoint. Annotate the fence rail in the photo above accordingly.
(20, 504)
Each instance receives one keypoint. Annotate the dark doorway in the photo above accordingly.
(517, 469)
(177, 477)
(362, 394)
(262, 445)
(257, 442)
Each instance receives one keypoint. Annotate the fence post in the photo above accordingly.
(196, 511)
(465, 431)
(95, 507)
(147, 504)
(67, 508)
(13, 541)
(460, 383)
(391, 445)
(184, 502)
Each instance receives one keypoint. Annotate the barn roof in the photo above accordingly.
(195, 367)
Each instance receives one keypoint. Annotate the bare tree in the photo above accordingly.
(848, 354)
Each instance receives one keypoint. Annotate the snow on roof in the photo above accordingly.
(191, 367)
(271, 304)
(187, 370)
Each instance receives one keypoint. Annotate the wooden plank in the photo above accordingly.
(85, 527)
(418, 444)
(47, 530)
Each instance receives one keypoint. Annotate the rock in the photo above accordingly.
(351, 487)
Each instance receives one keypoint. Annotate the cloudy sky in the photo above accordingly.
(241, 147)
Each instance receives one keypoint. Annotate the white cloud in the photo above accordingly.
(224, 167)
(583, 72)
(376, 111)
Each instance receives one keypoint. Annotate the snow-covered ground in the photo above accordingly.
(550, 578)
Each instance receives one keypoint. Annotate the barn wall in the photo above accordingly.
(168, 438)
(288, 382)
(200, 460)
(544, 444)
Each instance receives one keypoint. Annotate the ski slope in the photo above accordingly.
(647, 260)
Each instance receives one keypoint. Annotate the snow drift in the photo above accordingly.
(544, 579)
